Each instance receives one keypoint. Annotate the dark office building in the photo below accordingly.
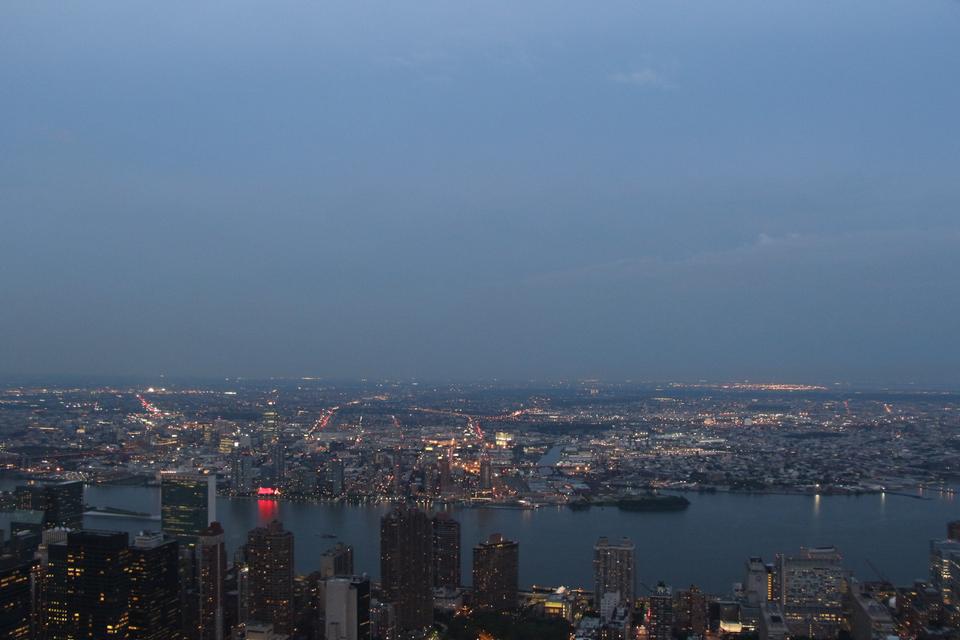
(187, 504)
(211, 554)
(496, 568)
(269, 553)
(446, 551)
(154, 588)
(60, 502)
(87, 587)
(16, 598)
(406, 566)
(278, 460)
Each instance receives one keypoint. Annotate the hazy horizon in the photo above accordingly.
(662, 190)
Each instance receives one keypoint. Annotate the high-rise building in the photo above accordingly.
(758, 584)
(496, 564)
(16, 598)
(614, 570)
(187, 504)
(154, 588)
(811, 586)
(868, 618)
(945, 570)
(446, 551)
(60, 502)
(87, 587)
(241, 473)
(278, 462)
(337, 561)
(660, 620)
(347, 609)
(334, 484)
(446, 474)
(211, 558)
(690, 612)
(486, 473)
(271, 425)
(406, 566)
(269, 553)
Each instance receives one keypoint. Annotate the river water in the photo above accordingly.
(705, 545)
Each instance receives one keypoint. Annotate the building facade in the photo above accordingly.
(446, 551)
(496, 565)
(406, 566)
(269, 554)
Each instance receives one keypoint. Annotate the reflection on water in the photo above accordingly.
(267, 510)
(707, 544)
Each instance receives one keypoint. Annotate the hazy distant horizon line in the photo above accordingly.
(13, 379)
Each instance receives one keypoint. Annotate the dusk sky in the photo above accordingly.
(672, 189)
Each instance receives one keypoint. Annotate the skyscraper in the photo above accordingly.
(241, 473)
(278, 461)
(406, 566)
(496, 564)
(660, 620)
(446, 551)
(347, 609)
(211, 573)
(269, 554)
(271, 425)
(486, 473)
(16, 598)
(187, 504)
(334, 484)
(60, 502)
(154, 588)
(613, 570)
(87, 586)
(337, 561)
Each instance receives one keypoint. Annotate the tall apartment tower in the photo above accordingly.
(406, 566)
(660, 622)
(614, 570)
(188, 504)
(446, 551)
(154, 588)
(269, 554)
(496, 564)
(87, 587)
(347, 609)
